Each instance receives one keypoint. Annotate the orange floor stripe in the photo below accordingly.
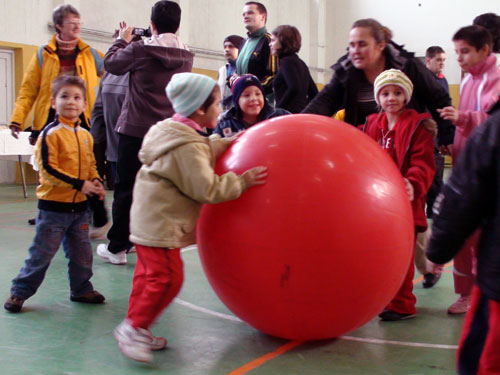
(419, 279)
(260, 361)
(290, 345)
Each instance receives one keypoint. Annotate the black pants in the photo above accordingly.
(98, 210)
(437, 183)
(127, 166)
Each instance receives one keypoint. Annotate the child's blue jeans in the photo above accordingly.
(52, 228)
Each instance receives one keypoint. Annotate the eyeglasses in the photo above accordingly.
(73, 23)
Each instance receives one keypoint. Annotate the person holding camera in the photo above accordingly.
(151, 63)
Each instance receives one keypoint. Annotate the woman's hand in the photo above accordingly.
(435, 269)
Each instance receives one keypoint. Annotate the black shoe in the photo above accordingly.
(13, 304)
(90, 297)
(430, 280)
(392, 316)
(32, 221)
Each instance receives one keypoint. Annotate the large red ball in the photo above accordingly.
(324, 245)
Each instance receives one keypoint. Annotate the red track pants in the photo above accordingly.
(157, 280)
(463, 265)
(405, 300)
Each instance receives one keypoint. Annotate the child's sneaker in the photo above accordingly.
(133, 343)
(393, 316)
(156, 342)
(460, 306)
(90, 297)
(13, 304)
(104, 253)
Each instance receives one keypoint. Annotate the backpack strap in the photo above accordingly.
(40, 55)
(99, 62)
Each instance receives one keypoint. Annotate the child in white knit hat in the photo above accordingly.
(404, 134)
(176, 178)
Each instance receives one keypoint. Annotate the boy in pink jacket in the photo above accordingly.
(479, 91)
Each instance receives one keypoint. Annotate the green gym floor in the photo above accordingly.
(55, 336)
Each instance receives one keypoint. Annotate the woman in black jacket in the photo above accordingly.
(293, 85)
(370, 52)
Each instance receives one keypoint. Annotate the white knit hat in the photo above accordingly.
(393, 77)
(188, 91)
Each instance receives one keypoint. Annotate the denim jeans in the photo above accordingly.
(52, 228)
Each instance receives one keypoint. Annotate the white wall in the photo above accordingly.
(324, 24)
(417, 24)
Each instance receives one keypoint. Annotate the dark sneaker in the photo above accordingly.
(392, 316)
(430, 280)
(32, 221)
(90, 297)
(13, 304)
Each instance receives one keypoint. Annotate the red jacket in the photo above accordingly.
(414, 154)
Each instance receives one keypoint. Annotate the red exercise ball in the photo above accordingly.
(324, 245)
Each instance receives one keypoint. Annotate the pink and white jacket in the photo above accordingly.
(479, 90)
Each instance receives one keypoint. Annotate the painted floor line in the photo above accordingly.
(266, 357)
(400, 343)
(207, 311)
(349, 338)
(421, 278)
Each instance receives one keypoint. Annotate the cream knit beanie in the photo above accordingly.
(393, 77)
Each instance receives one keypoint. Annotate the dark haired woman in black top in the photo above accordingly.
(293, 85)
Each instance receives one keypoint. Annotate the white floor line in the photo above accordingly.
(400, 343)
(349, 338)
(207, 311)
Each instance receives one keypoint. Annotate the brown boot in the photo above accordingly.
(13, 304)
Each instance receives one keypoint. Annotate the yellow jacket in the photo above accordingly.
(42, 70)
(64, 153)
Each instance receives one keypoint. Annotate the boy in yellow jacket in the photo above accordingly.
(67, 174)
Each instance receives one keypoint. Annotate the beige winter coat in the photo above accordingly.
(176, 178)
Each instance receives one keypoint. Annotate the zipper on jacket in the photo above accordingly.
(79, 163)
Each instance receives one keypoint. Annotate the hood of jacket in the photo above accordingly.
(165, 136)
(169, 57)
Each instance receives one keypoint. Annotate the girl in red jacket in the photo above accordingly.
(404, 134)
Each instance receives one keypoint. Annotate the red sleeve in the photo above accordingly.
(421, 167)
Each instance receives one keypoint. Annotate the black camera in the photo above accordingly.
(142, 32)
